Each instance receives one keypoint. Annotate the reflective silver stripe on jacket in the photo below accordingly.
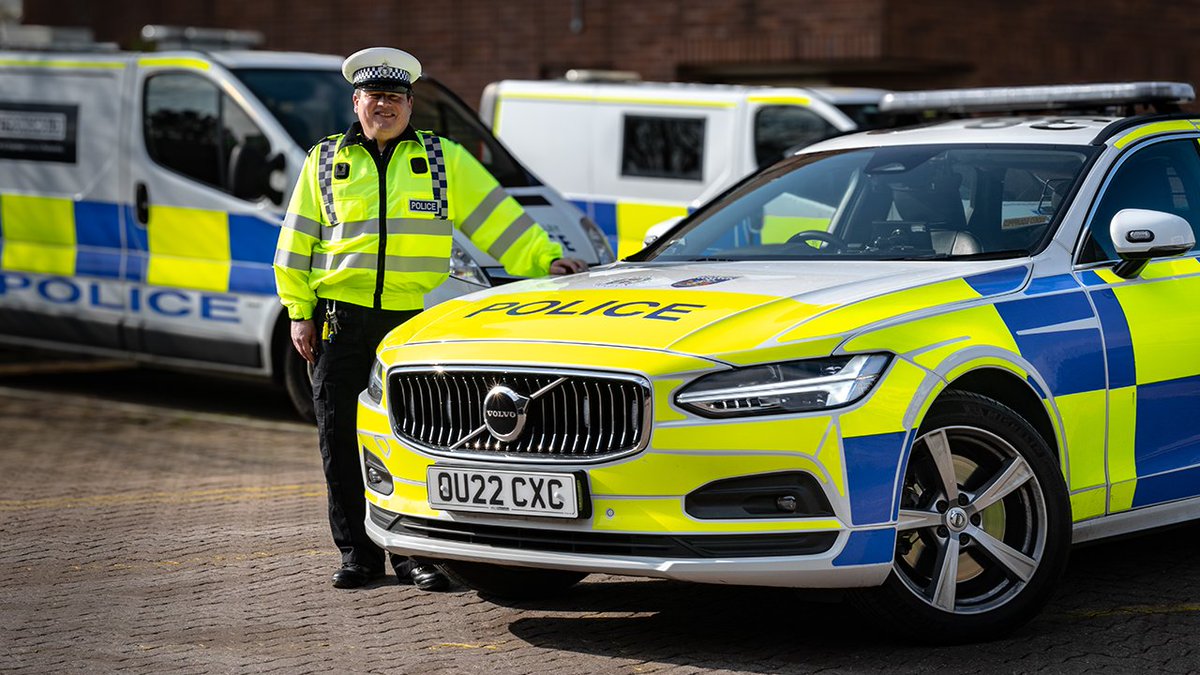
(293, 261)
(297, 222)
(368, 261)
(513, 232)
(325, 178)
(481, 213)
(395, 226)
(437, 171)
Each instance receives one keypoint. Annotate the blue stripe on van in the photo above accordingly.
(98, 239)
(252, 240)
(98, 224)
(245, 278)
(135, 266)
(605, 215)
(98, 263)
(135, 233)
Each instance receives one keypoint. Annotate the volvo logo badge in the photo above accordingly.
(504, 413)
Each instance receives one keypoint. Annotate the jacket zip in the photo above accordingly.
(381, 162)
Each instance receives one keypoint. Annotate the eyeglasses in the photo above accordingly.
(391, 97)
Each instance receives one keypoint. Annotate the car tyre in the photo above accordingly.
(984, 527)
(510, 583)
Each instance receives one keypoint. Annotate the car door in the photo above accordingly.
(1150, 324)
(204, 234)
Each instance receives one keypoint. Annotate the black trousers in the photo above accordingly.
(341, 373)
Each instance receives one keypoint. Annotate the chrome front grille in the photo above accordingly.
(572, 415)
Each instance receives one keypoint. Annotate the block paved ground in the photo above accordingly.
(164, 537)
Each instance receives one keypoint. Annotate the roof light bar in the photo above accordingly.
(1045, 97)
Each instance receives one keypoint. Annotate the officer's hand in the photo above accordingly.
(568, 266)
(304, 339)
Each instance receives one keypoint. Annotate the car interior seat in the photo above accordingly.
(939, 206)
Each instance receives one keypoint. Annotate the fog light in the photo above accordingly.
(787, 494)
(378, 478)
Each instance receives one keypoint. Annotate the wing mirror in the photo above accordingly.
(659, 229)
(251, 170)
(1141, 235)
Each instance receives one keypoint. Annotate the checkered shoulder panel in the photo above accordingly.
(437, 171)
(325, 178)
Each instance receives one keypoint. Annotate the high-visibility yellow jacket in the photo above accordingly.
(351, 246)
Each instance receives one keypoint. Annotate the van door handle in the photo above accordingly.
(142, 204)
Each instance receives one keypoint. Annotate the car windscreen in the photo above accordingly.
(887, 203)
(312, 104)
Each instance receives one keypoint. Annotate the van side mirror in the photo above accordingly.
(250, 169)
(1141, 235)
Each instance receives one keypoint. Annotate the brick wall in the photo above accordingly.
(892, 43)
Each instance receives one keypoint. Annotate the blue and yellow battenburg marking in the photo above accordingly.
(179, 248)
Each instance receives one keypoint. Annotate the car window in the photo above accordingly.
(1161, 177)
(886, 203)
(192, 128)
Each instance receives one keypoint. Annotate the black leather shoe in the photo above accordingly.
(353, 575)
(429, 578)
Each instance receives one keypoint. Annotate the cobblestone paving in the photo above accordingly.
(167, 541)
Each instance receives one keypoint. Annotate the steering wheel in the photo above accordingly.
(832, 242)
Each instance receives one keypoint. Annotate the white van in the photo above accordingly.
(633, 154)
(141, 196)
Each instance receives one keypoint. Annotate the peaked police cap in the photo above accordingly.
(382, 69)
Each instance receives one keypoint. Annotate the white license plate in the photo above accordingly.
(489, 491)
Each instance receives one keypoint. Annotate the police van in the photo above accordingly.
(141, 196)
(650, 150)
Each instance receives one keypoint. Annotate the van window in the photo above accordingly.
(1162, 177)
(192, 128)
(663, 147)
(779, 128)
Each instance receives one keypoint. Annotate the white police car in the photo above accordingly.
(917, 362)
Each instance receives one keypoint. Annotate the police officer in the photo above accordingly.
(368, 232)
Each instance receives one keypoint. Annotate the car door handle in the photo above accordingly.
(142, 204)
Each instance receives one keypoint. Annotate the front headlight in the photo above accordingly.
(604, 252)
(375, 383)
(789, 387)
(464, 267)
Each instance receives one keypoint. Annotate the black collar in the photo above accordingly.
(355, 136)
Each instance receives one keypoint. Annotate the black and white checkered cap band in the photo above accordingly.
(382, 74)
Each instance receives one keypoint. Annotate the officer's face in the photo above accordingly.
(383, 114)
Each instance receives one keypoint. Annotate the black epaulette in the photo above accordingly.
(327, 138)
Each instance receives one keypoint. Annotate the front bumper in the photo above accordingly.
(800, 571)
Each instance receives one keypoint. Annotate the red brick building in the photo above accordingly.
(901, 44)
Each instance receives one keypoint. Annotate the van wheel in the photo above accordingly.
(984, 526)
(297, 381)
(510, 583)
